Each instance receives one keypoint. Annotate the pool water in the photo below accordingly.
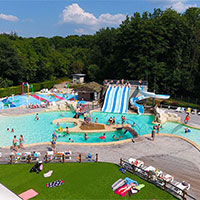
(35, 131)
(94, 137)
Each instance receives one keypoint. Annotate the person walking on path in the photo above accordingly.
(187, 118)
(153, 133)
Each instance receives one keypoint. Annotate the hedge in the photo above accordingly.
(4, 92)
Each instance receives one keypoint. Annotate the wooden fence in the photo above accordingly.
(56, 157)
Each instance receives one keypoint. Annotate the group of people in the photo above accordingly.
(117, 83)
(12, 130)
(155, 128)
(16, 146)
(87, 118)
(111, 121)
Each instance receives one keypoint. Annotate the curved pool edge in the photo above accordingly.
(177, 136)
(109, 143)
(74, 143)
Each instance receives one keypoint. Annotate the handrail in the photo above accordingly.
(147, 176)
(132, 82)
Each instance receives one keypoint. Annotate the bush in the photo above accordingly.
(4, 92)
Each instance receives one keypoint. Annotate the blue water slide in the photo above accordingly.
(123, 97)
(115, 99)
(138, 106)
(110, 100)
(106, 98)
(118, 100)
(126, 101)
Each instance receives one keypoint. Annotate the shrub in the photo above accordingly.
(36, 87)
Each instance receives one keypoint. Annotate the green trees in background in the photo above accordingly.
(162, 47)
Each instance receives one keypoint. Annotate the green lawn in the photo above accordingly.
(82, 181)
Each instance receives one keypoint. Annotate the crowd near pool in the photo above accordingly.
(36, 131)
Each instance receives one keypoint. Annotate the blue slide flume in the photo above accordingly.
(145, 95)
(116, 99)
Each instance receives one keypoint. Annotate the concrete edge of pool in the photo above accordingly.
(110, 143)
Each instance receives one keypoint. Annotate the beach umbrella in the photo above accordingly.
(82, 102)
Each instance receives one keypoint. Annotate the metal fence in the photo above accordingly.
(163, 184)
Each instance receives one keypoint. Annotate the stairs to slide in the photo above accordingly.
(116, 99)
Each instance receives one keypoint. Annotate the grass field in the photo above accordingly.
(81, 181)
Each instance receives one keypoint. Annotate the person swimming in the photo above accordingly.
(116, 138)
(36, 116)
(187, 130)
(70, 140)
(103, 137)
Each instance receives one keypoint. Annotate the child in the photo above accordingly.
(21, 141)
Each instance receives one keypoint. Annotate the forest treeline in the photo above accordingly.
(162, 47)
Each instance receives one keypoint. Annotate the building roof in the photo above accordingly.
(90, 87)
(78, 74)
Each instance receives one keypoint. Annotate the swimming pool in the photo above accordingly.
(41, 130)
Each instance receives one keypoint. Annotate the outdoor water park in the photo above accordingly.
(100, 100)
(87, 129)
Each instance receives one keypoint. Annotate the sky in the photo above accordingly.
(48, 18)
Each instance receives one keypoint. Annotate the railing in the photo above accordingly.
(132, 82)
(56, 157)
(163, 184)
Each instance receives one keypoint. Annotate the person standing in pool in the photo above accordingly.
(15, 141)
(36, 116)
(86, 136)
(21, 141)
(158, 128)
(54, 135)
(113, 121)
(67, 130)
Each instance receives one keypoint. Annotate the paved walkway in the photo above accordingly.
(194, 118)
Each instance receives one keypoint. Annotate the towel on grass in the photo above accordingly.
(55, 183)
(48, 174)
(28, 194)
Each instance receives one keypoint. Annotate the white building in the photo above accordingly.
(78, 78)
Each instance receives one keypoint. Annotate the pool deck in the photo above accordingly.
(170, 154)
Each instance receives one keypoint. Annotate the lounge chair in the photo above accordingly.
(165, 177)
(67, 155)
(58, 155)
(180, 187)
(178, 109)
(137, 163)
